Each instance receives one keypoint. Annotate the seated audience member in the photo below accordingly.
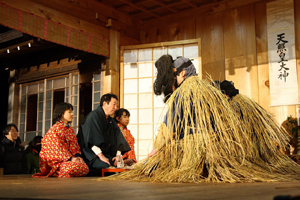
(60, 155)
(122, 118)
(32, 154)
(12, 154)
(100, 138)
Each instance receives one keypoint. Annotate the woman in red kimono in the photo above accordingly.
(60, 155)
(122, 118)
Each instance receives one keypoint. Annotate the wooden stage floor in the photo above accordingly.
(25, 187)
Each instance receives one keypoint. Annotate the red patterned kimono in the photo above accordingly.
(130, 140)
(58, 146)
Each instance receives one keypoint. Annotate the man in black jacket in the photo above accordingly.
(100, 138)
(12, 155)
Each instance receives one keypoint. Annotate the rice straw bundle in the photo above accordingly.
(217, 146)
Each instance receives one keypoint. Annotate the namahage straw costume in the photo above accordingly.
(216, 145)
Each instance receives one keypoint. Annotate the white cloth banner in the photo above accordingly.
(281, 53)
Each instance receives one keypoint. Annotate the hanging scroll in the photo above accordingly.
(281, 53)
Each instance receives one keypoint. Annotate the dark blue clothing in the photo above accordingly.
(177, 116)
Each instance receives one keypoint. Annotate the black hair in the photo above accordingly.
(227, 87)
(107, 98)
(7, 128)
(59, 110)
(165, 79)
(120, 112)
(216, 84)
(33, 142)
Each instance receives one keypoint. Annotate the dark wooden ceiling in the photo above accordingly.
(152, 9)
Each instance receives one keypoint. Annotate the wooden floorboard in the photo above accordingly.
(25, 187)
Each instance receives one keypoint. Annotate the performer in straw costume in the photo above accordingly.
(203, 140)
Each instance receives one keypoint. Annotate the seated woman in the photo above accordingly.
(32, 154)
(60, 155)
(12, 154)
(122, 118)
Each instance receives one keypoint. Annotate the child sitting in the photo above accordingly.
(122, 118)
(60, 155)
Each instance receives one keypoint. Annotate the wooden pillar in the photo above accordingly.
(13, 102)
(111, 79)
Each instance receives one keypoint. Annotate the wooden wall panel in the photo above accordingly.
(210, 30)
(297, 37)
(240, 50)
(297, 43)
(211, 8)
(125, 41)
(181, 30)
(262, 55)
(234, 46)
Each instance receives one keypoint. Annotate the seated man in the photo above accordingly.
(100, 138)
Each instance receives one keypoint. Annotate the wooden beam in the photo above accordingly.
(10, 35)
(93, 14)
(139, 2)
(72, 9)
(165, 6)
(141, 8)
(191, 3)
(108, 11)
(59, 17)
(14, 47)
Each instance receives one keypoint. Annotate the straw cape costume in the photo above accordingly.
(97, 130)
(58, 147)
(130, 140)
(216, 146)
(259, 125)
